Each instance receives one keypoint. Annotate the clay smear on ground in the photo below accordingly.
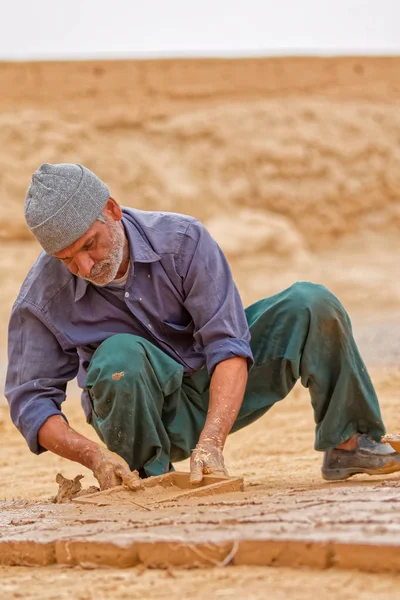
(171, 487)
(352, 527)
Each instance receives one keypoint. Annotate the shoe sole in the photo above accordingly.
(343, 474)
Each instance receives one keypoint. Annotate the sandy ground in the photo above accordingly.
(243, 582)
(295, 162)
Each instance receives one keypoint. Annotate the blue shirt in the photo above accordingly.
(179, 295)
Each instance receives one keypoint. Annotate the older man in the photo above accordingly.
(142, 308)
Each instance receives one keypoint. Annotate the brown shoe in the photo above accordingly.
(370, 457)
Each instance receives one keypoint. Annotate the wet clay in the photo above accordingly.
(117, 376)
(335, 527)
(165, 488)
(71, 488)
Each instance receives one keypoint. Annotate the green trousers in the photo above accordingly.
(153, 415)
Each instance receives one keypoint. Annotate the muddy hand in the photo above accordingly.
(111, 470)
(206, 459)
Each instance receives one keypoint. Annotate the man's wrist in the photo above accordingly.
(213, 437)
(90, 456)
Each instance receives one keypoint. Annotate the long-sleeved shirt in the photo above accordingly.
(179, 295)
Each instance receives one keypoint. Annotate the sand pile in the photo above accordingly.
(314, 170)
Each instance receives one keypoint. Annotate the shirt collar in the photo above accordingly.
(139, 250)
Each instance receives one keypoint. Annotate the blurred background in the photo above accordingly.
(275, 123)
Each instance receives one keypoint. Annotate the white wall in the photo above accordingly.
(31, 29)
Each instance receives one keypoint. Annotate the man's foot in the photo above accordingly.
(369, 457)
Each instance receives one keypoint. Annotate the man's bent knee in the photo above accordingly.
(119, 356)
(321, 302)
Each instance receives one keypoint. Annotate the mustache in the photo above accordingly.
(96, 270)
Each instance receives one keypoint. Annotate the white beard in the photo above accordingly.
(106, 270)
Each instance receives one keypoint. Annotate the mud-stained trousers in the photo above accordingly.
(153, 414)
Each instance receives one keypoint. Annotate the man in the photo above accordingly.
(141, 306)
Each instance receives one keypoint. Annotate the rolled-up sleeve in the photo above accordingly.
(212, 299)
(38, 372)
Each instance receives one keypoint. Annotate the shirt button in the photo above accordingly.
(126, 294)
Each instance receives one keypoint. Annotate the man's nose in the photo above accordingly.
(84, 264)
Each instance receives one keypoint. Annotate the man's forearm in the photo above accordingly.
(58, 437)
(109, 468)
(227, 387)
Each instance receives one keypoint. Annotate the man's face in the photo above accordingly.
(98, 254)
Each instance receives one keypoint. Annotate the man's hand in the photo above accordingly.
(108, 468)
(111, 470)
(206, 459)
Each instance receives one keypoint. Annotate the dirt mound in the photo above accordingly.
(327, 168)
(251, 231)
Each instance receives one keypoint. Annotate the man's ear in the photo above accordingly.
(113, 209)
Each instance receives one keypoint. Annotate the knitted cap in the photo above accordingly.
(62, 202)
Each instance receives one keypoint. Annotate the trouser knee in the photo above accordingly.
(321, 303)
(115, 367)
(122, 353)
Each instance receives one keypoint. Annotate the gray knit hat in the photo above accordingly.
(62, 202)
